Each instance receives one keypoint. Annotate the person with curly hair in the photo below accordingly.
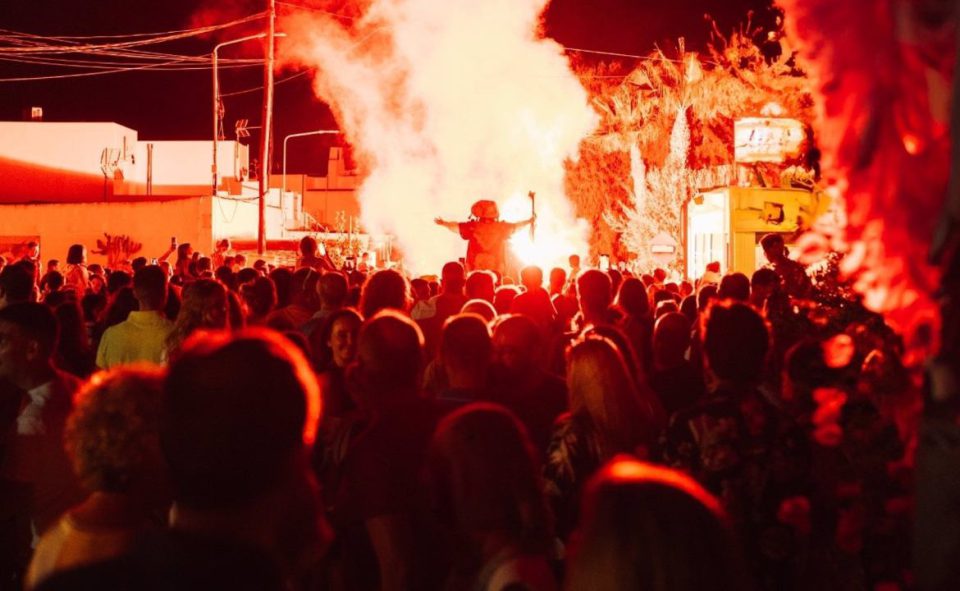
(112, 440)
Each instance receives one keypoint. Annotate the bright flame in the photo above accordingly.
(447, 103)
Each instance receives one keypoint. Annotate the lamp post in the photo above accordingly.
(216, 99)
(283, 191)
(301, 134)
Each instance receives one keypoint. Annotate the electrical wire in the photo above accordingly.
(314, 9)
(256, 88)
(68, 46)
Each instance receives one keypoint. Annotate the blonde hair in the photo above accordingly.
(605, 397)
(202, 300)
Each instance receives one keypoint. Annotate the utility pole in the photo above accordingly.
(265, 133)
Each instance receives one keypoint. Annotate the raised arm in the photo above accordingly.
(524, 223)
(452, 226)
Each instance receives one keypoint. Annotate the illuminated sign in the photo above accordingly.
(766, 139)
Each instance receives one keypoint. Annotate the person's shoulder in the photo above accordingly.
(172, 560)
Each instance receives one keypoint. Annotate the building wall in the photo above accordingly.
(151, 223)
(189, 162)
(75, 147)
(73, 162)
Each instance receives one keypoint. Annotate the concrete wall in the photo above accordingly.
(189, 162)
(63, 162)
(151, 223)
(73, 147)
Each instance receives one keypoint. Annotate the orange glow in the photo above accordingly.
(555, 239)
(625, 469)
(448, 103)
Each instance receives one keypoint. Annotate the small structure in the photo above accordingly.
(726, 224)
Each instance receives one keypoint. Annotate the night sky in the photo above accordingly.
(176, 105)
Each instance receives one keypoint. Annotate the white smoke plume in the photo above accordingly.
(447, 102)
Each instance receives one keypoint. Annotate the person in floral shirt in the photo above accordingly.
(741, 447)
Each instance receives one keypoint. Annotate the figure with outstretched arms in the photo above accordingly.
(486, 236)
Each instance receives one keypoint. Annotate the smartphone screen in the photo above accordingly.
(604, 262)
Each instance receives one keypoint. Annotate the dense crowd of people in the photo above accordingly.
(205, 423)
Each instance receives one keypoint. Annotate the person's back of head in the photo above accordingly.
(55, 298)
(112, 435)
(531, 277)
(604, 394)
(616, 278)
(574, 261)
(93, 305)
(735, 286)
(558, 278)
(304, 288)
(735, 342)
(138, 263)
(150, 287)
(73, 346)
(632, 298)
(465, 348)
(482, 479)
(634, 533)
(204, 265)
(16, 285)
(332, 289)
(282, 280)
(389, 359)
(117, 280)
(517, 343)
(671, 337)
(55, 280)
(659, 275)
(247, 275)
(386, 289)
(593, 290)
(482, 308)
(666, 307)
(420, 289)
(706, 295)
(184, 251)
(119, 307)
(481, 285)
(76, 254)
(688, 307)
(452, 278)
(237, 411)
(308, 246)
(260, 297)
(764, 283)
(503, 298)
(225, 275)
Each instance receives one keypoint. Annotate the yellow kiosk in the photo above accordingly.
(726, 224)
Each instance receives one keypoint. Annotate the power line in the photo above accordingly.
(320, 10)
(256, 88)
(67, 46)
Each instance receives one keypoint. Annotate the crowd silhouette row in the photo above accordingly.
(201, 423)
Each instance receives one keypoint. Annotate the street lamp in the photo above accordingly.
(216, 98)
(301, 134)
